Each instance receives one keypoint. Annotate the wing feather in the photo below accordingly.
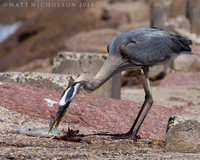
(155, 48)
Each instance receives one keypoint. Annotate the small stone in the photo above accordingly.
(19, 79)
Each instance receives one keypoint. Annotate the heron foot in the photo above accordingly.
(127, 136)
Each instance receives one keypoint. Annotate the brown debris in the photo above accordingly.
(70, 135)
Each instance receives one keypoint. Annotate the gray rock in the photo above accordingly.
(56, 82)
(76, 63)
(183, 134)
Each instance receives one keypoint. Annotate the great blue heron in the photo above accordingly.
(135, 49)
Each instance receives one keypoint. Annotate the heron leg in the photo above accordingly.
(148, 100)
(144, 78)
(140, 112)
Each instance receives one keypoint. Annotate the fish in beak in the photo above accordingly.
(65, 100)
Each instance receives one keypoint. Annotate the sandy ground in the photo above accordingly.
(17, 146)
(180, 97)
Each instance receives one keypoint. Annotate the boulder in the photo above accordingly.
(115, 116)
(77, 63)
(183, 134)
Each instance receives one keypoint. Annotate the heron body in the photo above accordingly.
(135, 49)
(148, 46)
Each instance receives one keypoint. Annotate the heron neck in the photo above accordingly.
(105, 73)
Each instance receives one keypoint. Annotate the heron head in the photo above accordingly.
(68, 95)
(65, 100)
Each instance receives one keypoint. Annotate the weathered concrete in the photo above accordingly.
(183, 134)
(163, 10)
(179, 16)
(56, 82)
(194, 13)
(77, 63)
(159, 13)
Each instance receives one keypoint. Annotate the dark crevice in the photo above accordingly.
(26, 35)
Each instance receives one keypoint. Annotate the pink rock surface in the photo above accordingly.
(112, 115)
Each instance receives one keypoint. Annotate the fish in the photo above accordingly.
(39, 132)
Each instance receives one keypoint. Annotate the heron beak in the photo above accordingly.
(64, 103)
(59, 116)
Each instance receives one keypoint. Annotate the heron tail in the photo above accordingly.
(183, 44)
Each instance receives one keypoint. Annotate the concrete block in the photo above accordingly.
(76, 63)
(56, 82)
(159, 13)
(169, 14)
(195, 24)
(183, 134)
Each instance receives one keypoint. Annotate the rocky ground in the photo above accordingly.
(28, 107)
(32, 48)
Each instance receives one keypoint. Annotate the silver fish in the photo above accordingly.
(39, 132)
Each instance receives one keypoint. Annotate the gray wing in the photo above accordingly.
(155, 49)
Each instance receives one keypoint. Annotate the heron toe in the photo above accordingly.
(127, 136)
